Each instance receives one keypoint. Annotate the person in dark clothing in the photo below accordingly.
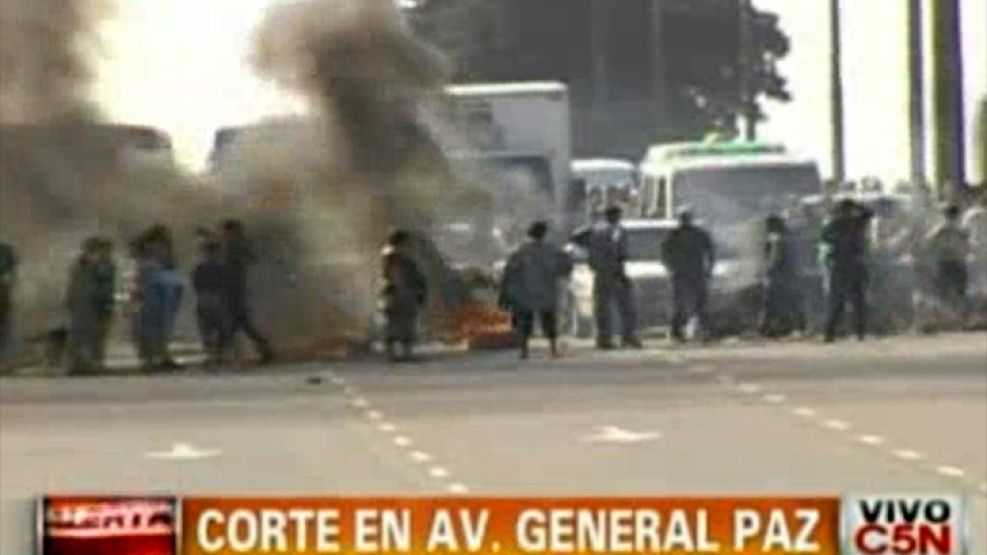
(404, 294)
(689, 255)
(106, 284)
(83, 304)
(948, 245)
(209, 281)
(845, 242)
(782, 311)
(237, 259)
(531, 286)
(606, 245)
(8, 275)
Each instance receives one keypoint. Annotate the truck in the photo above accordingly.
(515, 137)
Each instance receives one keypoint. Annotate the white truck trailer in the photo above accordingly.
(517, 129)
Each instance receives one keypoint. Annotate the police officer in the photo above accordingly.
(106, 284)
(8, 273)
(782, 304)
(531, 286)
(83, 304)
(948, 244)
(237, 259)
(405, 290)
(844, 240)
(689, 255)
(607, 248)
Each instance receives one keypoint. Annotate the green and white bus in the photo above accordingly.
(724, 183)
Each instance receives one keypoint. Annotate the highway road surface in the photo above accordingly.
(891, 415)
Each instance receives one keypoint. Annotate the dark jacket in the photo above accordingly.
(405, 287)
(781, 260)
(531, 277)
(82, 298)
(237, 260)
(606, 256)
(846, 241)
(210, 281)
(688, 252)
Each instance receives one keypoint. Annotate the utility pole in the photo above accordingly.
(836, 92)
(916, 91)
(657, 57)
(748, 110)
(947, 94)
(598, 45)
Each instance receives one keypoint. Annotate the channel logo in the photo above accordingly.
(904, 525)
(108, 526)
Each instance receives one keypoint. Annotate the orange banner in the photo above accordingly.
(509, 526)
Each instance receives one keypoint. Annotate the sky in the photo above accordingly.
(182, 65)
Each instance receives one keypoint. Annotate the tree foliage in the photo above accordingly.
(709, 81)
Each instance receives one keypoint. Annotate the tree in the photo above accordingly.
(693, 63)
(763, 44)
(465, 31)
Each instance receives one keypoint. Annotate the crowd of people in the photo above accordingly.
(151, 299)
(954, 250)
(843, 247)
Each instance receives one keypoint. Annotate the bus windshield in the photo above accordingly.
(737, 194)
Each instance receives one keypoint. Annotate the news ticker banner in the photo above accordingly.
(868, 525)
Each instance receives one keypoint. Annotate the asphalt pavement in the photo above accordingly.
(904, 414)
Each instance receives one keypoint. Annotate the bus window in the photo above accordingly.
(648, 197)
(662, 199)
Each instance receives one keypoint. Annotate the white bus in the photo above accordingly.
(601, 182)
(724, 183)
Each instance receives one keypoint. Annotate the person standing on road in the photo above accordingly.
(607, 248)
(689, 255)
(531, 286)
(975, 224)
(781, 312)
(212, 314)
(8, 275)
(83, 304)
(404, 295)
(844, 240)
(106, 286)
(948, 245)
(237, 259)
(159, 292)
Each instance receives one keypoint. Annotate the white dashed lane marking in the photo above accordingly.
(420, 457)
(404, 442)
(458, 489)
(804, 412)
(837, 425)
(871, 439)
(438, 472)
(908, 455)
(950, 471)
(749, 388)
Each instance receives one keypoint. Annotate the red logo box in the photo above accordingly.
(108, 526)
